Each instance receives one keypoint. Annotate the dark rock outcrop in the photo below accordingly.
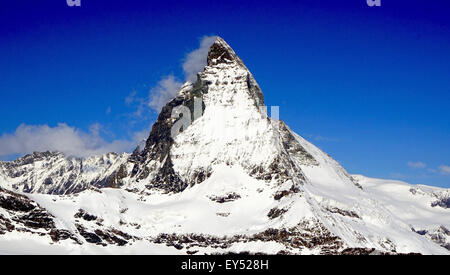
(443, 202)
(227, 198)
(85, 216)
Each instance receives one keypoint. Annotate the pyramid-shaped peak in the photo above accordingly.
(221, 52)
(220, 41)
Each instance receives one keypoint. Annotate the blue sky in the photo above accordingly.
(370, 86)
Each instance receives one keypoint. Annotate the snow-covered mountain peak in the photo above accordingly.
(227, 71)
(232, 128)
(221, 52)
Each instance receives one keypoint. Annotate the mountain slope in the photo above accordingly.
(424, 208)
(232, 180)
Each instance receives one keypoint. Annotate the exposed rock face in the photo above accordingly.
(155, 160)
(14, 202)
(439, 235)
(442, 200)
(82, 214)
(305, 234)
(227, 198)
(22, 214)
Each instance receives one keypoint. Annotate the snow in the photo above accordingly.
(60, 170)
(410, 203)
(231, 130)
(25, 244)
(382, 209)
(192, 211)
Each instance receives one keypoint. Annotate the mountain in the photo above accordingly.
(231, 180)
(53, 173)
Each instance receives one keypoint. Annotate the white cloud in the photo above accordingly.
(168, 87)
(62, 138)
(399, 176)
(444, 169)
(196, 60)
(321, 138)
(140, 136)
(417, 165)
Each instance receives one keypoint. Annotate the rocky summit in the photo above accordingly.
(232, 180)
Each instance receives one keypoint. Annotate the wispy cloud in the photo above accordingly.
(167, 88)
(398, 176)
(62, 138)
(444, 169)
(195, 61)
(140, 104)
(416, 165)
(131, 98)
(321, 138)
